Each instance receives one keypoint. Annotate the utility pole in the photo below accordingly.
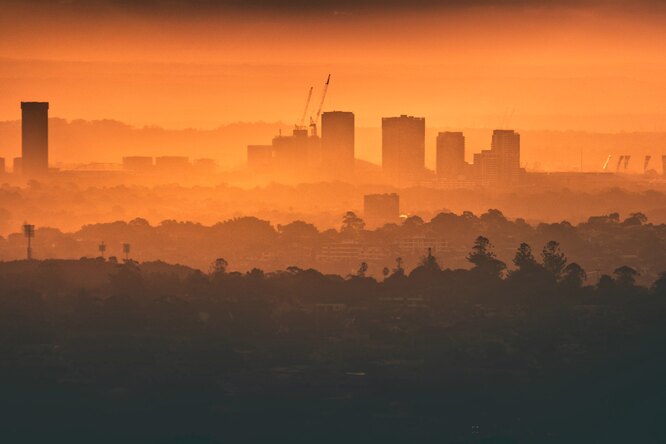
(126, 250)
(29, 233)
(102, 249)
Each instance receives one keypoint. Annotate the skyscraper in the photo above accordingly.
(450, 154)
(403, 146)
(337, 143)
(501, 164)
(506, 143)
(35, 138)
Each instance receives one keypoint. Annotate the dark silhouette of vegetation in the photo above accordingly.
(599, 246)
(153, 352)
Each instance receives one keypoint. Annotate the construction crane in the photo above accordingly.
(619, 162)
(313, 122)
(646, 163)
(626, 162)
(301, 123)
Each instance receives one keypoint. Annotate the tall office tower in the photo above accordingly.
(486, 167)
(450, 154)
(403, 146)
(506, 144)
(337, 143)
(35, 138)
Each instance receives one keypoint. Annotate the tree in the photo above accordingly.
(412, 223)
(292, 269)
(493, 217)
(399, 269)
(524, 259)
(484, 259)
(298, 231)
(574, 275)
(256, 274)
(659, 286)
(219, 266)
(606, 284)
(635, 219)
(351, 223)
(362, 269)
(626, 276)
(385, 272)
(429, 262)
(554, 260)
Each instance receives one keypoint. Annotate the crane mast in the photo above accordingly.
(313, 122)
(301, 122)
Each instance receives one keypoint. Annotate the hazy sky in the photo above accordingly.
(559, 64)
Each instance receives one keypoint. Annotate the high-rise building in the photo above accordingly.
(35, 138)
(501, 164)
(3, 169)
(486, 165)
(380, 209)
(450, 154)
(403, 147)
(337, 143)
(506, 143)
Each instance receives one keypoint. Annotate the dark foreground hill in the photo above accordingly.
(95, 351)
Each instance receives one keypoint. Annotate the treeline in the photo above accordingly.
(600, 245)
(166, 353)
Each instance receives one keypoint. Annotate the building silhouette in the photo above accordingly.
(295, 155)
(3, 167)
(381, 209)
(34, 138)
(138, 163)
(501, 164)
(486, 166)
(337, 143)
(172, 164)
(506, 143)
(450, 154)
(403, 147)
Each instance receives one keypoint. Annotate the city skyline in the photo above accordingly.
(335, 221)
(403, 151)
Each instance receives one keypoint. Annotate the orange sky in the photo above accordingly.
(570, 65)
